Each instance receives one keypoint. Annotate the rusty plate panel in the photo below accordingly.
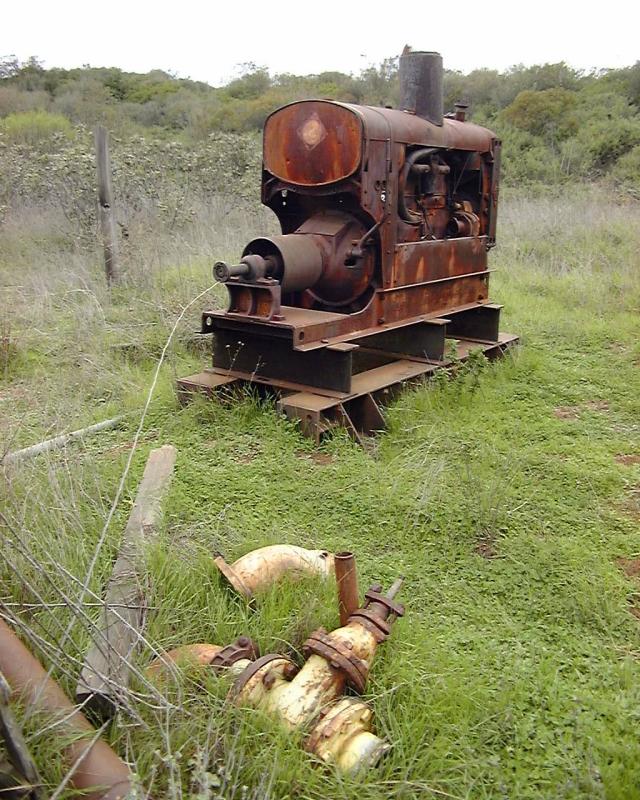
(417, 262)
(411, 129)
(313, 143)
(439, 297)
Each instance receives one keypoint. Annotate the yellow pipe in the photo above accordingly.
(261, 568)
(235, 657)
(343, 736)
(297, 698)
(190, 655)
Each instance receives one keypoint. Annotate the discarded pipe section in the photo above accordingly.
(347, 582)
(261, 568)
(234, 657)
(97, 771)
(311, 697)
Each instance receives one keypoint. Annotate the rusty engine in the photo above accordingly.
(387, 216)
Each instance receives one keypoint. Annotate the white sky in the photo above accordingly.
(207, 40)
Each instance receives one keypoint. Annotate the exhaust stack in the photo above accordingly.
(421, 85)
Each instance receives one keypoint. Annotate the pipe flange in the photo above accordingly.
(243, 647)
(379, 628)
(233, 578)
(289, 670)
(376, 596)
(339, 657)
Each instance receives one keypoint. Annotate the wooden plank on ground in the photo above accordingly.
(105, 675)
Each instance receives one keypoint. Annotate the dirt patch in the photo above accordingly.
(627, 460)
(630, 566)
(486, 547)
(116, 449)
(618, 347)
(597, 405)
(567, 412)
(321, 459)
(573, 412)
(635, 610)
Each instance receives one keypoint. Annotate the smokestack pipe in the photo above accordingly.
(421, 85)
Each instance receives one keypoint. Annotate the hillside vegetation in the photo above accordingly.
(557, 123)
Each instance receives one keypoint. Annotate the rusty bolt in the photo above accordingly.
(269, 679)
(289, 671)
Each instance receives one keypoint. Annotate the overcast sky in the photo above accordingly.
(208, 40)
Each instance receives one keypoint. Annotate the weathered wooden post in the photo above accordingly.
(104, 679)
(105, 203)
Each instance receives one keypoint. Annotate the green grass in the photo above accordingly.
(515, 672)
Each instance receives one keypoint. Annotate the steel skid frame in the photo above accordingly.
(345, 380)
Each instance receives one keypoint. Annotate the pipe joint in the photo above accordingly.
(343, 736)
(340, 655)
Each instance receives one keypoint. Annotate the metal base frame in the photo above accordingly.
(370, 387)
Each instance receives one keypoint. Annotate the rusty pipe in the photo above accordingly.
(347, 581)
(235, 657)
(265, 566)
(100, 774)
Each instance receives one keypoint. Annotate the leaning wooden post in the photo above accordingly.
(105, 674)
(105, 203)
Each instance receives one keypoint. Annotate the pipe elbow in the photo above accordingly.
(265, 566)
(189, 655)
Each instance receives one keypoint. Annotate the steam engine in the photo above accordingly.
(387, 216)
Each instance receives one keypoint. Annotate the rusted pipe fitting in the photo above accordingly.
(234, 657)
(343, 736)
(261, 568)
(99, 774)
(334, 660)
(347, 581)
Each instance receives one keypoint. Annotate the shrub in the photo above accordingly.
(599, 145)
(33, 127)
(626, 171)
(549, 113)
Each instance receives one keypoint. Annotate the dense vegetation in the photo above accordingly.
(557, 123)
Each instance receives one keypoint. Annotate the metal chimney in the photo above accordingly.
(421, 85)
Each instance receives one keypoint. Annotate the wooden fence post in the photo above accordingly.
(105, 202)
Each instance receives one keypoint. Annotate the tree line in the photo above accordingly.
(557, 123)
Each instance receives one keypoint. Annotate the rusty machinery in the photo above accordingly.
(387, 216)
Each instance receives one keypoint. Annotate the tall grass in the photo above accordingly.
(500, 496)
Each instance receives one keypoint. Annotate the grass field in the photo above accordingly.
(508, 497)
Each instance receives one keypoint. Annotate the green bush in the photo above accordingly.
(626, 170)
(33, 127)
(549, 113)
(599, 145)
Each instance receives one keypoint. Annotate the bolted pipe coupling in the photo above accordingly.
(379, 610)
